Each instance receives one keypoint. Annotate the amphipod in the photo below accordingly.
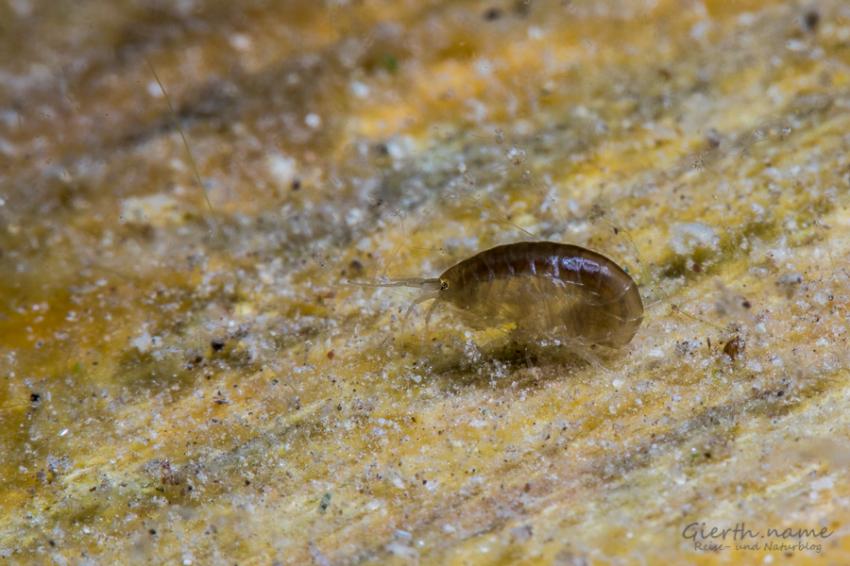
(542, 290)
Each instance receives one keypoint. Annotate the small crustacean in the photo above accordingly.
(542, 289)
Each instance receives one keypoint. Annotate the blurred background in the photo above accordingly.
(185, 187)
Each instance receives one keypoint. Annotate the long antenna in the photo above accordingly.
(192, 163)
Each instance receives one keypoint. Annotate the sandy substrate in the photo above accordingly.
(185, 377)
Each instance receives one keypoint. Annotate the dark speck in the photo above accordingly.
(296, 184)
(746, 304)
(734, 347)
(35, 398)
(217, 345)
(152, 532)
(325, 503)
(356, 267)
(811, 19)
(492, 14)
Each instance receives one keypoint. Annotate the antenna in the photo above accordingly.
(214, 226)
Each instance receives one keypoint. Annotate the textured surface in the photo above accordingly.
(183, 385)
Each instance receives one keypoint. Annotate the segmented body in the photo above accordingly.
(546, 289)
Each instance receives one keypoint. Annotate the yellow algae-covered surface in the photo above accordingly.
(186, 378)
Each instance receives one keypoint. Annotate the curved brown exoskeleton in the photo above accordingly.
(542, 289)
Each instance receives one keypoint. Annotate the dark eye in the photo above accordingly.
(444, 285)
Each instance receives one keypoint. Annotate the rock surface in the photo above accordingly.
(185, 377)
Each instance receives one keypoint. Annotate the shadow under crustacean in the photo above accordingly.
(460, 361)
